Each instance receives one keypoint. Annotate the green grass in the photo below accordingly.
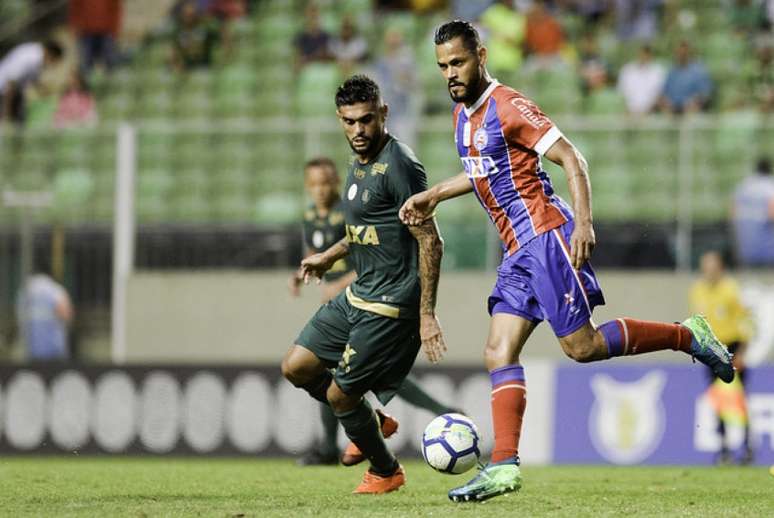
(84, 486)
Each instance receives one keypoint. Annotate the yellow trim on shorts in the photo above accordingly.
(384, 310)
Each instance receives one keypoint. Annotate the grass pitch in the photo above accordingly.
(84, 486)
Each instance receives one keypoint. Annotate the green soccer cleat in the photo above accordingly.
(492, 480)
(710, 351)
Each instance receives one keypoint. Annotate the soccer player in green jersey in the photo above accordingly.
(367, 338)
(323, 226)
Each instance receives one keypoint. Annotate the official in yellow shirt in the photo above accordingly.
(716, 295)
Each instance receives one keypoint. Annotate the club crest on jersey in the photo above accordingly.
(352, 192)
(366, 196)
(359, 174)
(480, 139)
(627, 419)
(318, 239)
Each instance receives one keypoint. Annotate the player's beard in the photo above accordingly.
(466, 96)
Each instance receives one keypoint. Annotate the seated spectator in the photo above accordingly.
(641, 82)
(688, 85)
(194, 39)
(76, 107)
(469, 10)
(593, 68)
(753, 215)
(638, 19)
(505, 28)
(20, 68)
(349, 48)
(396, 73)
(224, 9)
(313, 43)
(747, 17)
(760, 78)
(544, 39)
(599, 95)
(96, 23)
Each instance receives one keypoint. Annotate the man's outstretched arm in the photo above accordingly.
(430, 253)
(317, 264)
(421, 206)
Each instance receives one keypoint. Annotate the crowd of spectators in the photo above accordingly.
(658, 72)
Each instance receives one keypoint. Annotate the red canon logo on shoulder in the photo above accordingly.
(534, 119)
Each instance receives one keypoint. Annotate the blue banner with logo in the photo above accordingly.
(655, 414)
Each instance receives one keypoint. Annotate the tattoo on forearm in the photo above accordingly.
(430, 253)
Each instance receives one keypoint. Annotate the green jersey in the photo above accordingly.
(322, 232)
(382, 250)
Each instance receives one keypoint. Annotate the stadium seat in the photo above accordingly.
(316, 88)
(278, 208)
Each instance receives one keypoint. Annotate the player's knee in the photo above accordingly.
(293, 371)
(496, 354)
(582, 351)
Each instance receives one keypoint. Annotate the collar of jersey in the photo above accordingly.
(481, 100)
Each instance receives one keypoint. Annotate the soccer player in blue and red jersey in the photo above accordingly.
(501, 137)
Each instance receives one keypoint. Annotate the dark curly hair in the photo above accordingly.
(458, 28)
(357, 89)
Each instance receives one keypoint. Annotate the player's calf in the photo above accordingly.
(584, 345)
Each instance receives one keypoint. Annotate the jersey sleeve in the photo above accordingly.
(526, 125)
(407, 178)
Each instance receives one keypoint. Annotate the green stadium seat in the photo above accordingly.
(278, 207)
(73, 187)
(605, 102)
(317, 84)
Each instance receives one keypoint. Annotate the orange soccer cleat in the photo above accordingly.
(374, 484)
(352, 454)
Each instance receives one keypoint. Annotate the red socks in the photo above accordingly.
(509, 400)
(625, 336)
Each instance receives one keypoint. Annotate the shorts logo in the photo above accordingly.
(347, 355)
(569, 300)
(626, 423)
(480, 139)
(352, 192)
(479, 166)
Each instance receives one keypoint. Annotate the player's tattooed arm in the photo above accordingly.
(421, 206)
(316, 265)
(582, 241)
(430, 253)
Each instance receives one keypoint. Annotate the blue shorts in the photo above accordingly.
(539, 283)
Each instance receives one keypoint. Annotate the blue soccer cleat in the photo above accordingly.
(492, 480)
(710, 351)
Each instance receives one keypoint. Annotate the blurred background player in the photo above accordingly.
(545, 272)
(716, 295)
(753, 216)
(324, 227)
(44, 312)
(367, 338)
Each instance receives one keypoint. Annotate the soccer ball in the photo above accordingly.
(450, 444)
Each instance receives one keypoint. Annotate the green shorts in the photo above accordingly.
(366, 351)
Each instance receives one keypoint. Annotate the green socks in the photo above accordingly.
(362, 428)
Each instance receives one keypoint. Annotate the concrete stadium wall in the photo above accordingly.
(250, 317)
